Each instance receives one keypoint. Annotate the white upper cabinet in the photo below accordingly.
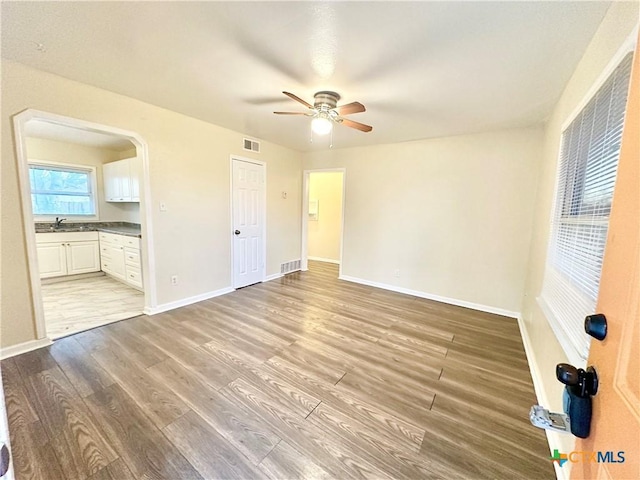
(135, 174)
(122, 180)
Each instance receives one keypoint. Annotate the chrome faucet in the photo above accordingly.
(58, 222)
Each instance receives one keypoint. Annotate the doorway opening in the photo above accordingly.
(323, 220)
(86, 222)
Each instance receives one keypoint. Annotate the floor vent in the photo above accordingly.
(251, 145)
(292, 266)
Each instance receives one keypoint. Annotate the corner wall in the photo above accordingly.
(447, 217)
(190, 173)
(544, 348)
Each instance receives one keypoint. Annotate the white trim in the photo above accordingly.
(233, 157)
(274, 276)
(326, 260)
(25, 347)
(142, 150)
(304, 253)
(570, 350)
(627, 46)
(187, 301)
(553, 438)
(437, 298)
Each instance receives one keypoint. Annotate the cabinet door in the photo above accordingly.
(116, 254)
(83, 257)
(111, 182)
(52, 260)
(124, 177)
(135, 169)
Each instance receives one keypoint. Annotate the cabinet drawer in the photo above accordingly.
(132, 256)
(111, 238)
(134, 278)
(105, 264)
(133, 242)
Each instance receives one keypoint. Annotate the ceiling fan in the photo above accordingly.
(325, 112)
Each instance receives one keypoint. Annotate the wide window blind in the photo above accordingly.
(588, 164)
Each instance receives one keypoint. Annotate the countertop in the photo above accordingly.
(119, 228)
(128, 231)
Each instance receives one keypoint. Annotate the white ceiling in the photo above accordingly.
(422, 69)
(64, 133)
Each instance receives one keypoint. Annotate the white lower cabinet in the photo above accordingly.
(69, 253)
(120, 258)
(82, 257)
(113, 260)
(52, 259)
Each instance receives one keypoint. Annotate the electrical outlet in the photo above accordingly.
(174, 279)
(396, 273)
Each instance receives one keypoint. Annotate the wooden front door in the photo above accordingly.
(616, 408)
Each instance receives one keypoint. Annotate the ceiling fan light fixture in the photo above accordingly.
(321, 125)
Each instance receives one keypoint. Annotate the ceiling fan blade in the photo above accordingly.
(349, 108)
(298, 99)
(291, 113)
(357, 125)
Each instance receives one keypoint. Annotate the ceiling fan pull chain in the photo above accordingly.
(331, 142)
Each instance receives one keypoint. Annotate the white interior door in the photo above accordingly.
(248, 188)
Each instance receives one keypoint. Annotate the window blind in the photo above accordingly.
(588, 163)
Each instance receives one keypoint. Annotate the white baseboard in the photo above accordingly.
(553, 438)
(437, 298)
(187, 301)
(71, 278)
(275, 276)
(326, 260)
(25, 347)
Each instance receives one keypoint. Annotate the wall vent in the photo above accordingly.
(292, 266)
(251, 145)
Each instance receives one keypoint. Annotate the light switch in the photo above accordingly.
(284, 195)
(163, 207)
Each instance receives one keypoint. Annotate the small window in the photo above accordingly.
(587, 170)
(62, 190)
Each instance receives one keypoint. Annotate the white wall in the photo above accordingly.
(190, 172)
(64, 152)
(614, 30)
(323, 234)
(453, 215)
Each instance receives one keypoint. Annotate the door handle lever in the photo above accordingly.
(237, 232)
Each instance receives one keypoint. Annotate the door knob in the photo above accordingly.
(4, 460)
(237, 232)
(583, 383)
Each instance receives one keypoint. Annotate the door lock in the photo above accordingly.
(237, 232)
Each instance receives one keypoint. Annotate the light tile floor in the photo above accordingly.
(76, 305)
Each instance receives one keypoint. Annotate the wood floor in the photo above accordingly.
(75, 305)
(303, 377)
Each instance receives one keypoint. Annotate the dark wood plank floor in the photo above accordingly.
(305, 377)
